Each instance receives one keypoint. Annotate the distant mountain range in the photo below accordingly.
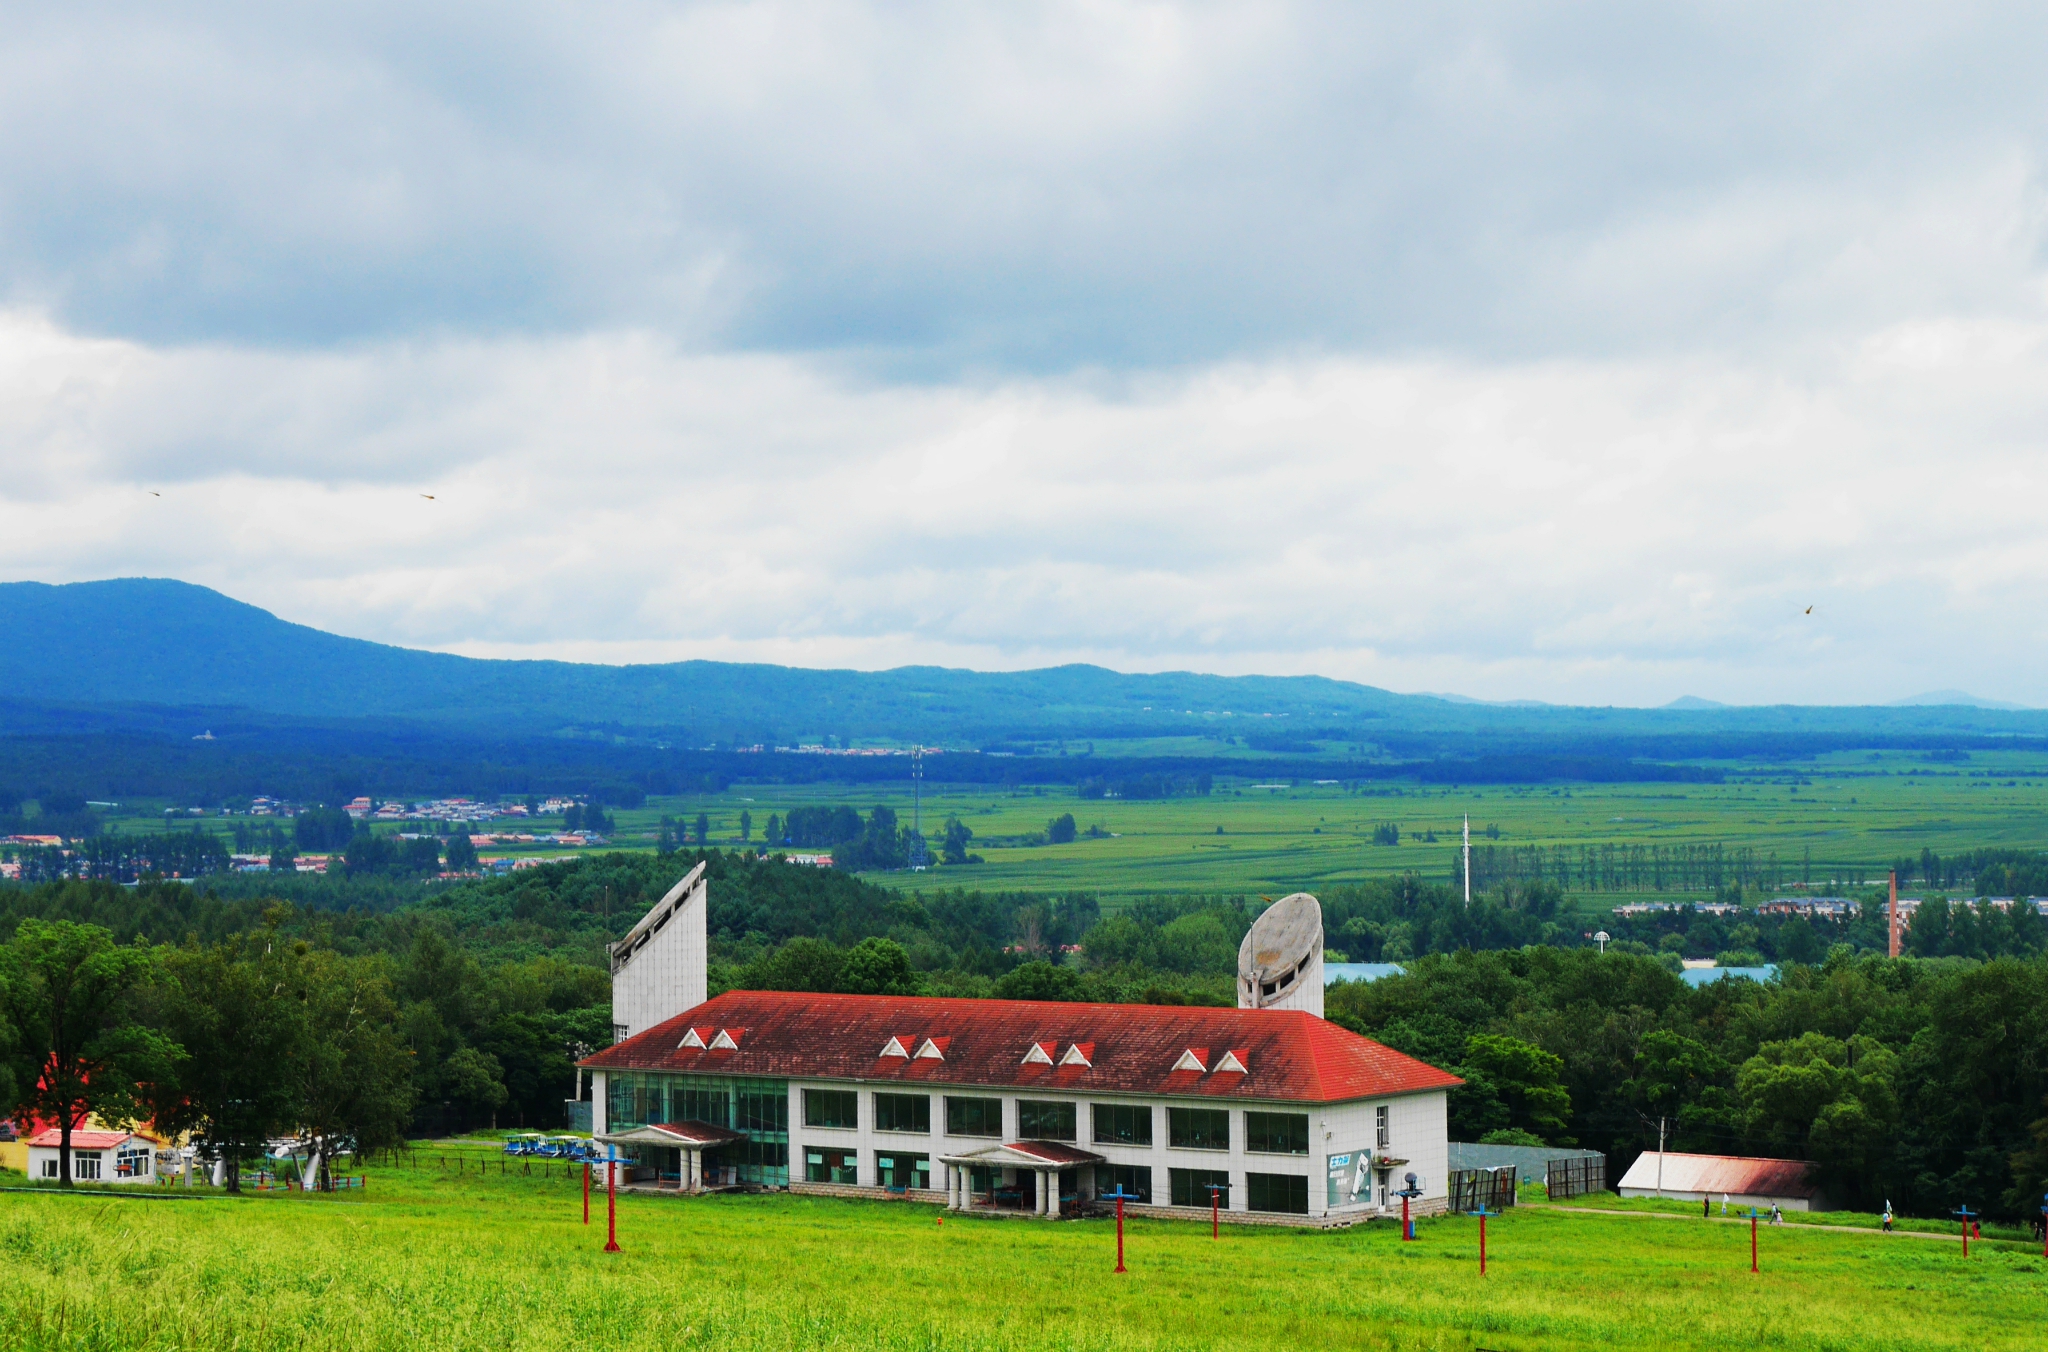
(150, 646)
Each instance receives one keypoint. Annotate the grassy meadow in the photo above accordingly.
(426, 1260)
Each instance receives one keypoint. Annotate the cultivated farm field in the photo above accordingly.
(427, 1260)
(1829, 822)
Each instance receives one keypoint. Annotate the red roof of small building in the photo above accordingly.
(81, 1139)
(1289, 1055)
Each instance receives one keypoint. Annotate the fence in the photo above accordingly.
(1493, 1189)
(1573, 1177)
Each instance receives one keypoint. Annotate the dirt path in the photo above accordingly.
(1789, 1225)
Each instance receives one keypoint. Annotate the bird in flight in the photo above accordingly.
(428, 496)
(153, 493)
(1809, 610)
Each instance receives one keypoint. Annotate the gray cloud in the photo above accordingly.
(1564, 352)
(1027, 188)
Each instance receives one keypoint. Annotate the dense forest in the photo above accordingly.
(1920, 1080)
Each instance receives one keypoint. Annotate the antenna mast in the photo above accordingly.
(1895, 914)
(1468, 861)
(919, 856)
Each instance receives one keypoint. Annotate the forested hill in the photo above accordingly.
(162, 642)
(134, 642)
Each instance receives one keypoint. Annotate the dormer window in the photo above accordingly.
(1078, 1054)
(931, 1050)
(1231, 1064)
(691, 1038)
(724, 1041)
(1040, 1054)
(894, 1047)
(1193, 1059)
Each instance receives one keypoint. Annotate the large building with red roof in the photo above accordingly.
(1026, 1105)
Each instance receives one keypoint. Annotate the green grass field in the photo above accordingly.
(1828, 821)
(1833, 818)
(424, 1260)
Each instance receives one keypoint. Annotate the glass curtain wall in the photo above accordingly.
(759, 1108)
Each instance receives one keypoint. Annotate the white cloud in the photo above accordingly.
(1582, 531)
(1563, 352)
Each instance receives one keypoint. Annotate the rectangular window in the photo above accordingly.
(1198, 1128)
(709, 1106)
(1380, 1115)
(1122, 1123)
(1191, 1186)
(1045, 1121)
(903, 1112)
(974, 1117)
(1132, 1179)
(1285, 1193)
(1276, 1133)
(131, 1163)
(49, 1168)
(763, 1112)
(894, 1169)
(832, 1166)
(831, 1108)
(85, 1165)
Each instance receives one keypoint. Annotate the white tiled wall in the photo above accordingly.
(1417, 1124)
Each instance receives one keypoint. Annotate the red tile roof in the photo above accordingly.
(81, 1139)
(1290, 1055)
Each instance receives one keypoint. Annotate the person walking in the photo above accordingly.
(1706, 1208)
(1887, 1216)
(1777, 1216)
(1724, 1204)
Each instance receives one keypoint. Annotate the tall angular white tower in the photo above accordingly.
(1280, 962)
(662, 966)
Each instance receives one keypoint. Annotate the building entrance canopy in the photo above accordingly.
(1045, 1158)
(689, 1139)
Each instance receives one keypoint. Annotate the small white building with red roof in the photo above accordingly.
(97, 1155)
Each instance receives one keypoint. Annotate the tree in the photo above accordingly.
(802, 964)
(774, 836)
(878, 967)
(72, 998)
(1040, 980)
(461, 853)
(1061, 830)
(953, 841)
(746, 826)
(232, 1092)
(353, 1082)
(703, 828)
(1523, 1079)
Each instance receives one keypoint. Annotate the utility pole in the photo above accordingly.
(1895, 913)
(1660, 1156)
(1468, 861)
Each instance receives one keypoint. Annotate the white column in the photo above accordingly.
(1048, 1190)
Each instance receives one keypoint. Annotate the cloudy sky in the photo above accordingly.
(1552, 351)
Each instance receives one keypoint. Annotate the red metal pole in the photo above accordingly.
(1966, 1236)
(611, 1206)
(1752, 1240)
(586, 1192)
(1407, 1229)
(1482, 1243)
(1119, 1234)
(1215, 1214)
